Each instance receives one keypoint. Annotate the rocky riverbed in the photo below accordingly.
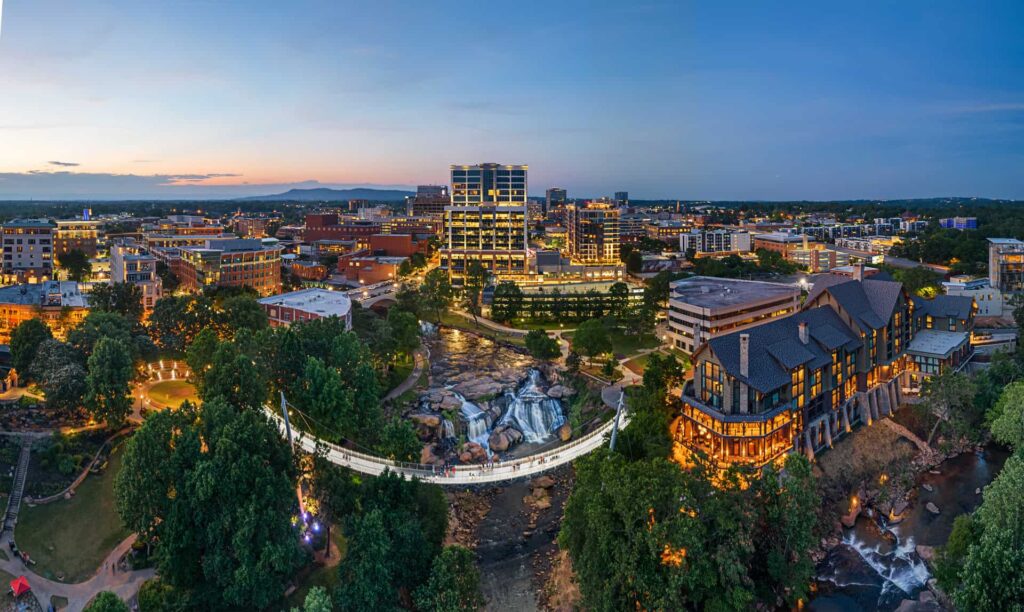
(486, 402)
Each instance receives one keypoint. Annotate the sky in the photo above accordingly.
(114, 99)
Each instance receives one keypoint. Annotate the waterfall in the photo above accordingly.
(900, 567)
(477, 423)
(448, 428)
(427, 328)
(532, 412)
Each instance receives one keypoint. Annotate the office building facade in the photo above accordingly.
(714, 241)
(76, 235)
(429, 201)
(232, 263)
(555, 199)
(1006, 265)
(129, 264)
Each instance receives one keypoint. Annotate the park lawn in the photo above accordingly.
(624, 345)
(70, 538)
(399, 372)
(455, 321)
(173, 392)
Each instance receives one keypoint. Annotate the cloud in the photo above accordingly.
(986, 107)
(66, 185)
(64, 164)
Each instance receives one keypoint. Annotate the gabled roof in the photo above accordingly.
(870, 302)
(955, 306)
(775, 347)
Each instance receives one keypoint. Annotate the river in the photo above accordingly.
(877, 565)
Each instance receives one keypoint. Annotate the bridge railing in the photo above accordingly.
(430, 472)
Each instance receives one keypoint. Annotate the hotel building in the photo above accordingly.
(593, 232)
(429, 200)
(702, 307)
(232, 263)
(796, 383)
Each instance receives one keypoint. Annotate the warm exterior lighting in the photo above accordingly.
(673, 556)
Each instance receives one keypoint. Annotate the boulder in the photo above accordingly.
(927, 553)
(427, 456)
(565, 432)
(427, 420)
(560, 391)
(542, 482)
(900, 507)
(477, 453)
(450, 402)
(931, 507)
(849, 520)
(977, 491)
(928, 487)
(498, 441)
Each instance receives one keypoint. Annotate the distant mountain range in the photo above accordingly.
(324, 194)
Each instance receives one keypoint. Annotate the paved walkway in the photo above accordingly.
(491, 325)
(421, 360)
(124, 584)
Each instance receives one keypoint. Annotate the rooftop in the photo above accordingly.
(29, 223)
(320, 301)
(935, 343)
(35, 294)
(721, 293)
(1006, 241)
(782, 237)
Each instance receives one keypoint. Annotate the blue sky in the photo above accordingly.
(713, 100)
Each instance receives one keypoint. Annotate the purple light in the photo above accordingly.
(306, 538)
(316, 526)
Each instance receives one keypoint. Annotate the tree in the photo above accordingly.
(241, 312)
(226, 537)
(437, 292)
(176, 320)
(77, 264)
(635, 261)
(323, 395)
(787, 507)
(398, 441)
(541, 345)
(317, 600)
(475, 282)
(949, 397)
(404, 331)
(1017, 302)
(508, 302)
(949, 559)
(65, 387)
(122, 298)
(334, 489)
(990, 577)
(591, 339)
(233, 377)
(619, 294)
(101, 324)
(453, 585)
(106, 601)
(366, 571)
(199, 355)
(25, 341)
(108, 392)
(168, 278)
(1008, 424)
(919, 280)
(143, 488)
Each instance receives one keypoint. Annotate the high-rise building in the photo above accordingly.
(622, 199)
(555, 199)
(1006, 265)
(429, 200)
(493, 235)
(593, 233)
(487, 221)
(488, 184)
(28, 248)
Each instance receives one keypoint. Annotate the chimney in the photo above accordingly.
(858, 271)
(745, 354)
(804, 335)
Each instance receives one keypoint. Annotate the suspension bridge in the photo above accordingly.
(538, 463)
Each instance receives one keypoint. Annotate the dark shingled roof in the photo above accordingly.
(955, 306)
(775, 347)
(870, 302)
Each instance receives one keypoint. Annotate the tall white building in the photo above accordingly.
(128, 264)
(714, 241)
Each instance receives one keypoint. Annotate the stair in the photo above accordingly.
(18, 488)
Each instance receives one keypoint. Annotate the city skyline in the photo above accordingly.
(207, 100)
